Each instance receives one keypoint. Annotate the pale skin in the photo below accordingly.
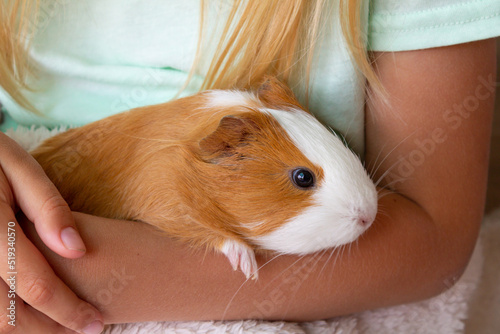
(418, 246)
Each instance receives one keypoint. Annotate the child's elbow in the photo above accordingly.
(456, 250)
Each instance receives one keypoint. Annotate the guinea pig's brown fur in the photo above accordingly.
(201, 172)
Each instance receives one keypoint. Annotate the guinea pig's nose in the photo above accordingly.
(364, 220)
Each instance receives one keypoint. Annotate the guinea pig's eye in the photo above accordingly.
(303, 178)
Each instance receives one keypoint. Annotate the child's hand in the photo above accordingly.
(49, 305)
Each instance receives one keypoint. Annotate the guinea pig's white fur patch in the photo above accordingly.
(345, 203)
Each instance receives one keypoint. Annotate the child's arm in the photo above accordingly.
(434, 138)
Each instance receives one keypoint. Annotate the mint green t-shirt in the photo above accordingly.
(96, 58)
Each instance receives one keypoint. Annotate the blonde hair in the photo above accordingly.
(258, 38)
(14, 64)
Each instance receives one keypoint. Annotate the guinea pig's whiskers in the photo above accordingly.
(381, 178)
(375, 163)
(284, 281)
(356, 243)
(381, 193)
(338, 252)
(374, 172)
(382, 211)
(390, 184)
(332, 250)
(284, 270)
(316, 257)
(385, 158)
(232, 298)
(346, 134)
(248, 279)
(353, 247)
(342, 250)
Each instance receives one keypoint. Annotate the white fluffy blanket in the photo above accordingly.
(443, 314)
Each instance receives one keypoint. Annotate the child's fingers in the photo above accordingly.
(39, 199)
(36, 284)
(18, 317)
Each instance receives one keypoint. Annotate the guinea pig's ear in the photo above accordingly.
(276, 95)
(231, 133)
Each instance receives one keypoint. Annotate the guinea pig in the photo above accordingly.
(234, 171)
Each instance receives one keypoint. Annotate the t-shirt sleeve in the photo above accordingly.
(399, 25)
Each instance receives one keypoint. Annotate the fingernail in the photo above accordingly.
(71, 239)
(94, 328)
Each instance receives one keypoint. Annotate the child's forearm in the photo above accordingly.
(132, 273)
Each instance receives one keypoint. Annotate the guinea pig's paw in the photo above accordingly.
(240, 255)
